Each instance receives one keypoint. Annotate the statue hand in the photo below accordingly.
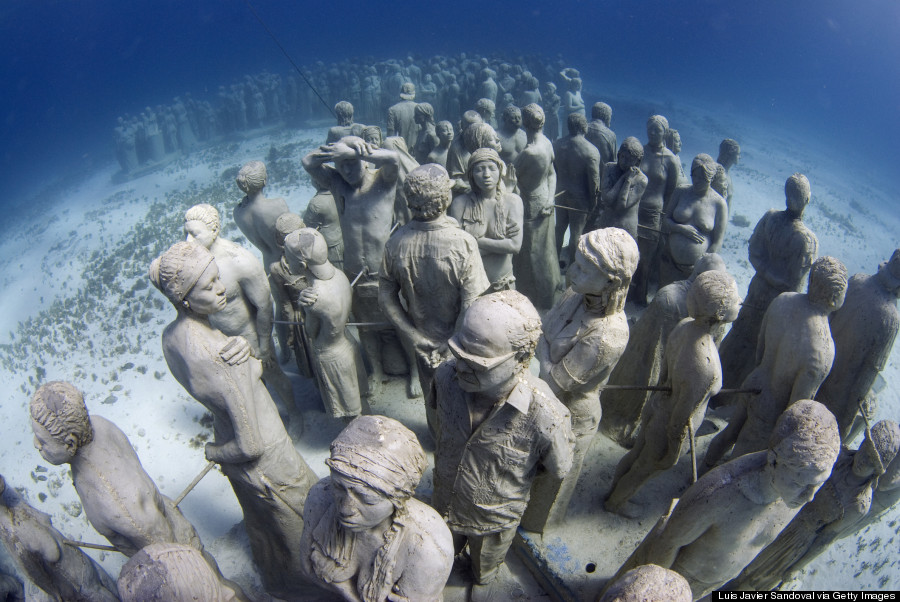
(307, 297)
(633, 171)
(235, 351)
(692, 233)
(512, 229)
(359, 147)
(210, 451)
(547, 211)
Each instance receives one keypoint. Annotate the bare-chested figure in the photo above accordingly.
(577, 184)
(621, 187)
(249, 311)
(255, 215)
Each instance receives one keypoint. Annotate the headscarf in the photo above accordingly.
(178, 269)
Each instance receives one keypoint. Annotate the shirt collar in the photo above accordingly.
(437, 224)
(520, 396)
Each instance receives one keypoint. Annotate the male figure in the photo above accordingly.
(498, 424)
(401, 119)
(364, 198)
(724, 519)
(536, 266)
(487, 109)
(512, 137)
(427, 137)
(729, 155)
(63, 572)
(622, 186)
(345, 127)
(255, 215)
(120, 499)
(863, 329)
(599, 134)
(248, 312)
(458, 156)
(794, 355)
(781, 249)
(431, 272)
(577, 184)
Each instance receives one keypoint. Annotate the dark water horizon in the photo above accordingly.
(826, 71)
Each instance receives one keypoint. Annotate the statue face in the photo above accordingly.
(360, 507)
(796, 485)
(796, 203)
(486, 175)
(444, 132)
(485, 360)
(352, 170)
(208, 295)
(656, 133)
(198, 232)
(588, 279)
(53, 450)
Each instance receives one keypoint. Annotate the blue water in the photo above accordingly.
(828, 70)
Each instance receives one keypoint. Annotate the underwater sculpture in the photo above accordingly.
(729, 156)
(641, 362)
(343, 112)
(512, 140)
(268, 476)
(572, 100)
(692, 371)
(498, 425)
(321, 213)
(248, 309)
(255, 215)
(119, 498)
(492, 215)
(444, 131)
(174, 573)
(662, 169)
(794, 355)
(864, 330)
(694, 224)
(366, 537)
(781, 250)
(431, 273)
(835, 512)
(577, 184)
(599, 134)
(401, 117)
(648, 583)
(63, 572)
(279, 277)
(621, 188)
(551, 105)
(427, 138)
(724, 519)
(325, 303)
(487, 108)
(458, 155)
(583, 337)
(536, 266)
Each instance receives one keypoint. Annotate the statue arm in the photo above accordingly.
(236, 402)
(683, 528)
(559, 448)
(511, 243)
(551, 187)
(718, 234)
(315, 164)
(593, 174)
(389, 300)
(757, 250)
(387, 161)
(256, 289)
(589, 358)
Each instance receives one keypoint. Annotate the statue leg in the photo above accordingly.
(577, 222)
(724, 440)
(562, 223)
(639, 464)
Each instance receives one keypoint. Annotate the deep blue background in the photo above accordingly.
(70, 68)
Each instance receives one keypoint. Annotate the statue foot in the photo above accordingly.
(413, 388)
(626, 509)
(375, 384)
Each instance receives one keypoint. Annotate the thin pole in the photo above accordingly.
(196, 480)
(91, 546)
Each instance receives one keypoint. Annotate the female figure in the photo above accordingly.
(366, 538)
(695, 223)
(572, 101)
(492, 215)
(268, 476)
(551, 105)
(662, 169)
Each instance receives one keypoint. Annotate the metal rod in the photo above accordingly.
(571, 209)
(358, 276)
(693, 454)
(196, 480)
(669, 389)
(92, 546)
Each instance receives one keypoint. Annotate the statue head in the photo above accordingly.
(631, 153)
(485, 171)
(169, 571)
(60, 421)
(495, 342)
(796, 194)
(707, 262)
(372, 135)
(407, 90)
(344, 113)
(604, 264)
(577, 124)
(444, 131)
(376, 464)
(720, 181)
(603, 112)
(729, 153)
(703, 169)
(285, 224)
(480, 135)
(427, 191)
(533, 117)
(550, 87)
(351, 168)
(657, 126)
(649, 582)
(424, 113)
(802, 449)
(878, 449)
(307, 251)
(469, 118)
(252, 177)
(673, 141)
(201, 224)
(512, 117)
(713, 298)
(889, 273)
(187, 275)
(827, 283)
(485, 108)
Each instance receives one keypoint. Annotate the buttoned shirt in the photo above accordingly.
(483, 473)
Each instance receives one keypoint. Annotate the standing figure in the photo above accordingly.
(427, 138)
(572, 100)
(248, 311)
(694, 223)
(325, 303)
(343, 111)
(268, 476)
(512, 140)
(255, 215)
(781, 250)
(492, 215)
(431, 273)
(401, 119)
(583, 337)
(793, 357)
(577, 184)
(322, 214)
(498, 425)
(662, 170)
(63, 572)
(551, 105)
(280, 279)
(457, 155)
(366, 537)
(863, 329)
(599, 134)
(621, 188)
(444, 131)
(536, 267)
(692, 372)
(729, 156)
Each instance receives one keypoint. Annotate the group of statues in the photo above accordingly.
(450, 271)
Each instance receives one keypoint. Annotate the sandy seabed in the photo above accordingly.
(77, 306)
